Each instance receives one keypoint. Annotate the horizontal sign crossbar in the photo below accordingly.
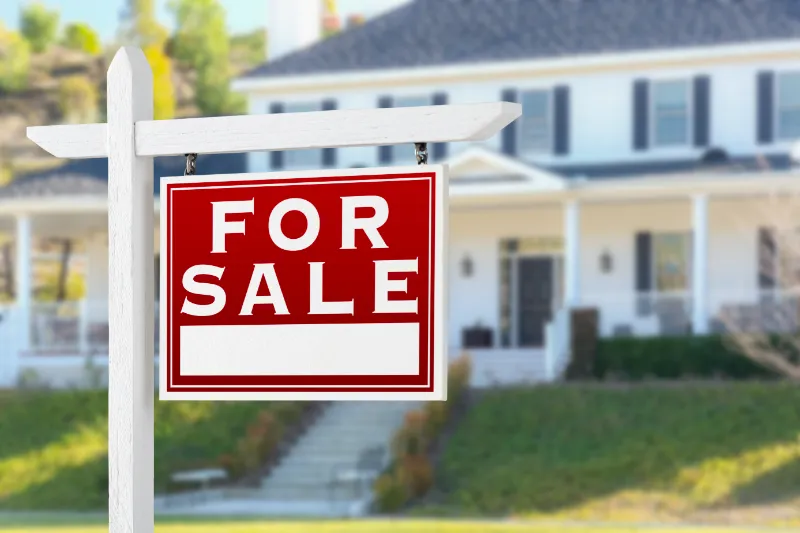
(289, 131)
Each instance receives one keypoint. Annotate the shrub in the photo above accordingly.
(416, 473)
(435, 417)
(39, 25)
(80, 36)
(261, 439)
(232, 464)
(391, 492)
(15, 57)
(410, 439)
(411, 473)
(163, 89)
(672, 358)
(77, 99)
(458, 377)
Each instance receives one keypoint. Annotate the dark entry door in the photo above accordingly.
(535, 299)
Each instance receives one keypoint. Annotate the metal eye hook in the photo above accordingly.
(191, 165)
(421, 151)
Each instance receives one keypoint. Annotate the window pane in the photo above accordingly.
(404, 153)
(789, 89)
(671, 261)
(671, 112)
(303, 158)
(671, 129)
(670, 95)
(789, 123)
(535, 122)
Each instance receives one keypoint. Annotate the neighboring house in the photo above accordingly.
(637, 181)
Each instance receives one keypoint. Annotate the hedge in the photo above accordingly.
(673, 357)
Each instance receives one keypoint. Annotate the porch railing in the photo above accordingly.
(74, 327)
(670, 313)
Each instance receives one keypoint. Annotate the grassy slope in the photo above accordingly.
(699, 453)
(359, 526)
(53, 450)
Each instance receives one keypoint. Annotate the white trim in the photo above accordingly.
(500, 69)
(288, 131)
(542, 179)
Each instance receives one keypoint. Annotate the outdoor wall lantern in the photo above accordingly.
(606, 262)
(466, 266)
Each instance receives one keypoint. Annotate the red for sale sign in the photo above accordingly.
(313, 285)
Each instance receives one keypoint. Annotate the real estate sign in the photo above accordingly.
(304, 285)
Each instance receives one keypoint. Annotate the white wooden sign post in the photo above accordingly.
(130, 140)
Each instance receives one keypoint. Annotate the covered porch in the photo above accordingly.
(667, 255)
(54, 313)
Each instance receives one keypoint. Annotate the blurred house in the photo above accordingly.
(637, 180)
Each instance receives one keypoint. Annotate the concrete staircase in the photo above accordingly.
(302, 481)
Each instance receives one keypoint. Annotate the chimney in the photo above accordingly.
(292, 25)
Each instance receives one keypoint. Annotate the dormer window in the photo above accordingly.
(788, 105)
(535, 124)
(670, 112)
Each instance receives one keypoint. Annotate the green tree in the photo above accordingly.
(201, 41)
(15, 56)
(78, 99)
(39, 26)
(163, 91)
(80, 36)
(139, 25)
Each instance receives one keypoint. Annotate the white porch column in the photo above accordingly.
(572, 253)
(24, 277)
(700, 264)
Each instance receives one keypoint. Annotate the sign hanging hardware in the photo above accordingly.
(421, 151)
(191, 165)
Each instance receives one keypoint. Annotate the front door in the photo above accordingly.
(534, 299)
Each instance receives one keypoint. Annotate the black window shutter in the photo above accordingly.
(561, 116)
(644, 272)
(767, 258)
(439, 150)
(644, 265)
(385, 152)
(328, 154)
(640, 114)
(766, 107)
(275, 157)
(509, 134)
(702, 110)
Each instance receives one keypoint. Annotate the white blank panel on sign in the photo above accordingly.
(300, 350)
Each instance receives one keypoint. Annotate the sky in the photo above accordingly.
(103, 15)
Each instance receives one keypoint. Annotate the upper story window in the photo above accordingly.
(535, 122)
(403, 154)
(670, 112)
(788, 105)
(303, 158)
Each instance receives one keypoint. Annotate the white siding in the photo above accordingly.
(600, 109)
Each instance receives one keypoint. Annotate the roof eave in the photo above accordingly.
(566, 65)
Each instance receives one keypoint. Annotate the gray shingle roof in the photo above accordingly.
(439, 32)
(83, 177)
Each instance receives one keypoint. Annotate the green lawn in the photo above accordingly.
(365, 526)
(54, 445)
(726, 453)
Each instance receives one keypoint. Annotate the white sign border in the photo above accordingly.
(439, 329)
